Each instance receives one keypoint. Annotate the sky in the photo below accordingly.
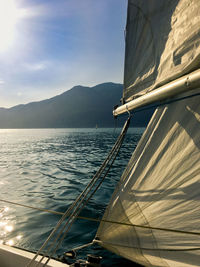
(49, 46)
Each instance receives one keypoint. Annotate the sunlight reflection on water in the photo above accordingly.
(48, 168)
(5, 226)
(6, 229)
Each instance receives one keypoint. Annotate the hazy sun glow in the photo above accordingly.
(9, 15)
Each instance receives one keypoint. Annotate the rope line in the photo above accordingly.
(73, 211)
(31, 207)
(102, 220)
(151, 249)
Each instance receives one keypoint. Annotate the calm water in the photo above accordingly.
(48, 168)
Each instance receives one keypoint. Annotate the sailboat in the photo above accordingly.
(154, 213)
(156, 203)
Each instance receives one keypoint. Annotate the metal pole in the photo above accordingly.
(183, 84)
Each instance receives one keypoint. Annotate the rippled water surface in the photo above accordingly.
(49, 168)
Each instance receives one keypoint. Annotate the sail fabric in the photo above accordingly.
(160, 188)
(162, 43)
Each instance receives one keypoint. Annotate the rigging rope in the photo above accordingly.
(74, 210)
(151, 248)
(103, 220)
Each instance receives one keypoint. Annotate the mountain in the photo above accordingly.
(78, 107)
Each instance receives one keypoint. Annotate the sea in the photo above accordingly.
(48, 169)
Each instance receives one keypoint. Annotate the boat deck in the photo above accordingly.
(14, 257)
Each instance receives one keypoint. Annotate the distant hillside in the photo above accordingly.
(79, 107)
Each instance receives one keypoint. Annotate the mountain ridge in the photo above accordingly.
(78, 107)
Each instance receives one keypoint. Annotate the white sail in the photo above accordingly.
(154, 214)
(162, 43)
(160, 188)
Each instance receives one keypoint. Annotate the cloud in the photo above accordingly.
(61, 45)
(37, 66)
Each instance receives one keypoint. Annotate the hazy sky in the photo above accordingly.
(49, 46)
